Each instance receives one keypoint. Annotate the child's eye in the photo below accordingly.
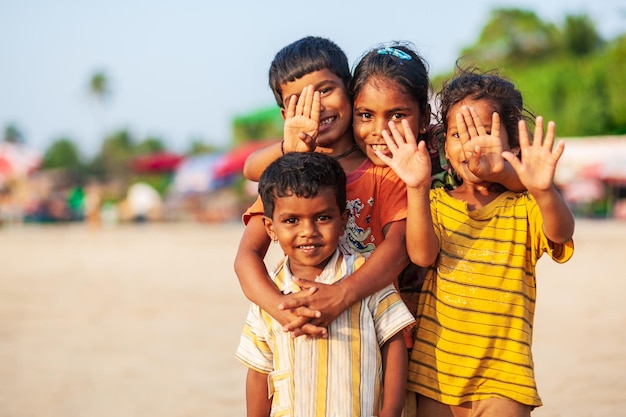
(365, 115)
(323, 218)
(397, 116)
(324, 91)
(291, 220)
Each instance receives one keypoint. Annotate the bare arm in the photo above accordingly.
(411, 162)
(395, 364)
(257, 402)
(258, 160)
(536, 171)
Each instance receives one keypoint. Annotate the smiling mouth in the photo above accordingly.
(327, 121)
(379, 147)
(308, 247)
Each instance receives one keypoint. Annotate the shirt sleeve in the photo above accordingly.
(254, 210)
(254, 350)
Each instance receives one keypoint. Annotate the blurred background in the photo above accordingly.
(145, 110)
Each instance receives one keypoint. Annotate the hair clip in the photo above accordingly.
(395, 52)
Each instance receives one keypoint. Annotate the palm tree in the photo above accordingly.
(99, 89)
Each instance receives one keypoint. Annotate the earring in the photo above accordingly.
(275, 240)
(423, 130)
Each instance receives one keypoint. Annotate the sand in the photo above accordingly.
(143, 320)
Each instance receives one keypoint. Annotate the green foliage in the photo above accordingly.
(99, 85)
(148, 146)
(114, 156)
(513, 35)
(260, 124)
(12, 134)
(568, 75)
(580, 36)
(62, 153)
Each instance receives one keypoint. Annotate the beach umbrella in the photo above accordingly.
(232, 162)
(196, 174)
(612, 171)
(584, 190)
(158, 162)
(17, 160)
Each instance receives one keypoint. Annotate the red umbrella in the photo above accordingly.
(612, 171)
(232, 162)
(157, 162)
(17, 160)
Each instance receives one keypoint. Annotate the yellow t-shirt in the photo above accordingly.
(476, 310)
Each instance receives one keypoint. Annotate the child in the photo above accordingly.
(360, 369)
(472, 352)
(376, 196)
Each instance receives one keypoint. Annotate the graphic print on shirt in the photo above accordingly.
(357, 239)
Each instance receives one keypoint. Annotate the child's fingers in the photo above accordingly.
(538, 135)
(548, 141)
(291, 106)
(395, 133)
(461, 128)
(316, 107)
(495, 124)
(468, 119)
(476, 124)
(558, 151)
(523, 135)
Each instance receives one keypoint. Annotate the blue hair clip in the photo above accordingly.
(395, 52)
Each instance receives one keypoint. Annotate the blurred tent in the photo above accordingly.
(592, 175)
(17, 160)
(158, 162)
(231, 163)
(196, 174)
(602, 158)
(612, 171)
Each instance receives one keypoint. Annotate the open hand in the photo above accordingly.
(538, 162)
(302, 121)
(482, 149)
(410, 160)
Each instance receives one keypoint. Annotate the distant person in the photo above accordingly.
(359, 369)
(472, 353)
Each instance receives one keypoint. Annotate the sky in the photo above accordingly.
(181, 70)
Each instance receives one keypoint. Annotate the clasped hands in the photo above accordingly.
(310, 311)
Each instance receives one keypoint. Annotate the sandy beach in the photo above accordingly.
(143, 320)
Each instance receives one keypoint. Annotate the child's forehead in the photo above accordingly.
(317, 78)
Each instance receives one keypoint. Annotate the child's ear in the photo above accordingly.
(283, 112)
(269, 228)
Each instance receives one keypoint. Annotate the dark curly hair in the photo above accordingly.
(472, 84)
(301, 174)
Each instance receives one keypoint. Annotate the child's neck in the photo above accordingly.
(352, 161)
(477, 195)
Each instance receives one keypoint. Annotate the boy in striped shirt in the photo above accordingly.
(359, 369)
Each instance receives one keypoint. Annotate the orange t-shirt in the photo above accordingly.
(375, 198)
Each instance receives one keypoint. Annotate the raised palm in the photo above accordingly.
(302, 121)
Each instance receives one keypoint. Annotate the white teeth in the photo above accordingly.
(326, 121)
(307, 247)
(379, 147)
